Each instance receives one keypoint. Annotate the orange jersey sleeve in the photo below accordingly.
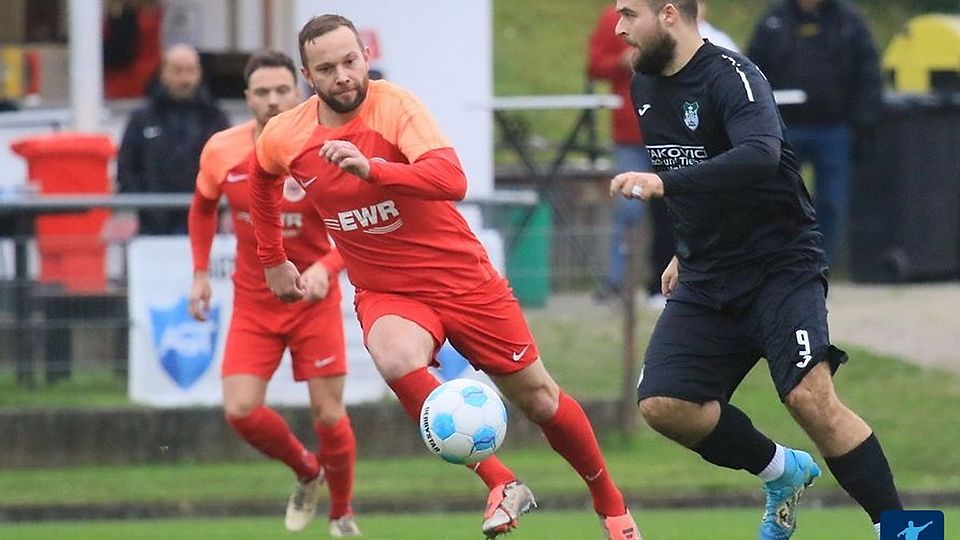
(435, 176)
(281, 141)
(433, 170)
(208, 184)
(284, 137)
(403, 120)
(224, 151)
(201, 227)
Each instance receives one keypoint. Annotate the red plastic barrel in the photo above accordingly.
(71, 249)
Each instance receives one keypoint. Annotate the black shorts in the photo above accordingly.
(698, 353)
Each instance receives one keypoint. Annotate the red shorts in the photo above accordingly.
(485, 325)
(259, 333)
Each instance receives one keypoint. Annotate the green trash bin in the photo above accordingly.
(528, 255)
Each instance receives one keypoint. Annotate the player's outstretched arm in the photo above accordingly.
(265, 189)
(745, 103)
(201, 228)
(436, 175)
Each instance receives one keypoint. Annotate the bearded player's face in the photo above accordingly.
(640, 27)
(337, 69)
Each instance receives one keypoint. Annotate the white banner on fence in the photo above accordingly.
(175, 361)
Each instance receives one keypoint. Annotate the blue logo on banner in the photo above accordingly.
(911, 525)
(452, 363)
(184, 346)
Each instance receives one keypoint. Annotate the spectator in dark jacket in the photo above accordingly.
(824, 48)
(161, 146)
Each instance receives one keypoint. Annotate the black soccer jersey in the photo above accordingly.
(731, 181)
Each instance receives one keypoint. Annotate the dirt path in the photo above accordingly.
(920, 323)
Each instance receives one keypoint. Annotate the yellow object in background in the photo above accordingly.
(925, 56)
(11, 73)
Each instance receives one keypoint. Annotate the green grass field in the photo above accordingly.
(814, 524)
(85, 388)
(918, 436)
(910, 407)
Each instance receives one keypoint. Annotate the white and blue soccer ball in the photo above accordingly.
(463, 421)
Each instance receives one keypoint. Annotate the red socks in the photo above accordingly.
(569, 433)
(493, 472)
(267, 431)
(338, 456)
(412, 389)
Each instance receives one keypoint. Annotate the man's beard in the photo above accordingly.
(656, 55)
(345, 107)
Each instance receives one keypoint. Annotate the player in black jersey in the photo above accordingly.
(748, 279)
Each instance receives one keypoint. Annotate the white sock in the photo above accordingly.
(775, 468)
(876, 527)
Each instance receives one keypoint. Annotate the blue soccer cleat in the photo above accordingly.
(783, 494)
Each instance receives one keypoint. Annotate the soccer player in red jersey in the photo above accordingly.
(262, 326)
(385, 179)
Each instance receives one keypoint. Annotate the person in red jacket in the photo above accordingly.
(131, 47)
(262, 326)
(610, 59)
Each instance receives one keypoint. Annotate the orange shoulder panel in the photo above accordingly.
(285, 135)
(225, 150)
(402, 119)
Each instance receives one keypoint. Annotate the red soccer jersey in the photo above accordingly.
(224, 170)
(399, 231)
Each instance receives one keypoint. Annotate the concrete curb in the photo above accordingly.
(39, 438)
